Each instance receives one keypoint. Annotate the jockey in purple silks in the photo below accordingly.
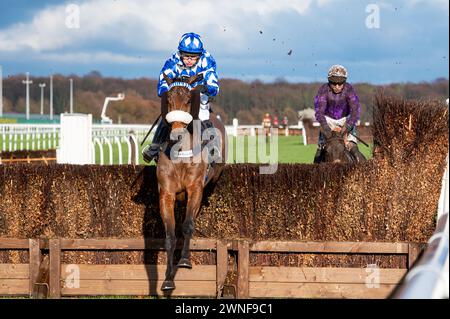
(337, 109)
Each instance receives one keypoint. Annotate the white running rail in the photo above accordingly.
(19, 137)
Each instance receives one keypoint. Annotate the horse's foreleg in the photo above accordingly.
(166, 204)
(193, 206)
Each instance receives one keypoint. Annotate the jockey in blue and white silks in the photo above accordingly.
(174, 68)
(191, 59)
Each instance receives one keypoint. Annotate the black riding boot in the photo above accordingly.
(357, 154)
(152, 151)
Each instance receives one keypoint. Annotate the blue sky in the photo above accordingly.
(249, 39)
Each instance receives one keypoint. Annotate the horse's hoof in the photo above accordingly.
(168, 285)
(184, 263)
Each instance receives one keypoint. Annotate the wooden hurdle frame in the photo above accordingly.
(206, 281)
(330, 282)
(28, 160)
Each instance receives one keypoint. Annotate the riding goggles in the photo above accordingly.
(337, 83)
(189, 56)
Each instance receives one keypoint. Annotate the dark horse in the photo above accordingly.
(186, 175)
(335, 150)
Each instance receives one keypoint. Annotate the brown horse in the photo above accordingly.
(183, 169)
(335, 150)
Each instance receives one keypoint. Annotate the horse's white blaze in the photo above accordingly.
(179, 116)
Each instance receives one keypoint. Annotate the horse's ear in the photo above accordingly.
(168, 80)
(195, 78)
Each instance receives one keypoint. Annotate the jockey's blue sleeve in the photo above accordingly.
(168, 69)
(210, 76)
(206, 65)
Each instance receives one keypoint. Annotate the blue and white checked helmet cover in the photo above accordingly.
(190, 43)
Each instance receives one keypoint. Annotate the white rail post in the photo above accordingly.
(108, 142)
(136, 149)
(302, 126)
(4, 141)
(119, 146)
(33, 141)
(75, 139)
(100, 146)
(235, 127)
(21, 141)
(55, 137)
(129, 148)
(27, 137)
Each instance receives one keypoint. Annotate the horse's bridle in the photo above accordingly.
(177, 115)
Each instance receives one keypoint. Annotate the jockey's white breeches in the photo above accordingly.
(332, 123)
(203, 113)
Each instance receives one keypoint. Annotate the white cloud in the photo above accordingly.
(147, 25)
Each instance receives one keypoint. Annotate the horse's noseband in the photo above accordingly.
(179, 116)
